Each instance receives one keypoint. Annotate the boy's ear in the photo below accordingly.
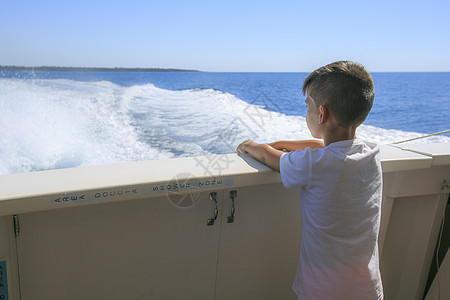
(323, 114)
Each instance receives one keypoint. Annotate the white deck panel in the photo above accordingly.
(394, 159)
(35, 191)
(439, 152)
(144, 239)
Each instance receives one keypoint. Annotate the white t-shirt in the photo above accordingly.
(340, 200)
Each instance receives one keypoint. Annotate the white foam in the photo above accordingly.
(49, 124)
(60, 123)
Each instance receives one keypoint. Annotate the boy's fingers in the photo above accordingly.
(273, 145)
(241, 147)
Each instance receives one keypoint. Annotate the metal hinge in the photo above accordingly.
(444, 185)
(16, 225)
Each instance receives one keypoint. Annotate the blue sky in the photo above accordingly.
(253, 36)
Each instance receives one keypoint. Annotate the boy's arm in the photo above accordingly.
(297, 145)
(262, 152)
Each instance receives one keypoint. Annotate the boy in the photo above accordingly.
(340, 186)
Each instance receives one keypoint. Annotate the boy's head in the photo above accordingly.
(345, 88)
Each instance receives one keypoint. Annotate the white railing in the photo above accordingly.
(217, 227)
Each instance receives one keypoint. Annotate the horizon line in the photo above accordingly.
(156, 69)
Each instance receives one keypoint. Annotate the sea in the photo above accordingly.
(53, 120)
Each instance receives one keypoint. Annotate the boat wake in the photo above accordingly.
(59, 123)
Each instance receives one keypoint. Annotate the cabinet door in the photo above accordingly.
(140, 249)
(258, 253)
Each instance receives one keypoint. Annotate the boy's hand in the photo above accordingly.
(262, 152)
(278, 145)
(288, 146)
(244, 145)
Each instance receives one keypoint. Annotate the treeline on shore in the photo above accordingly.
(86, 69)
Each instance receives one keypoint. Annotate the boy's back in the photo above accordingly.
(340, 202)
(340, 186)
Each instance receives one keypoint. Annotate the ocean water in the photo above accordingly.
(51, 120)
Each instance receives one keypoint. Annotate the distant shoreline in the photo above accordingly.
(87, 69)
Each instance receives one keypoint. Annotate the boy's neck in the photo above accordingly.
(338, 133)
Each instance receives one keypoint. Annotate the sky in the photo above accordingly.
(227, 36)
